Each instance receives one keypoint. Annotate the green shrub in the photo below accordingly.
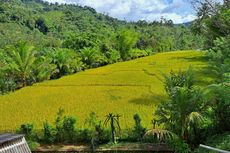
(84, 136)
(135, 53)
(220, 58)
(27, 129)
(179, 146)
(221, 109)
(138, 131)
(7, 84)
(113, 56)
(69, 128)
(59, 126)
(221, 141)
(101, 135)
(49, 133)
(31, 137)
(33, 144)
(92, 57)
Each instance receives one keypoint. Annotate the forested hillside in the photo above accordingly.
(182, 96)
(37, 22)
(41, 41)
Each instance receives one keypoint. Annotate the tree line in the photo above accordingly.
(42, 41)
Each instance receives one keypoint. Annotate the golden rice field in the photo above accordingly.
(125, 88)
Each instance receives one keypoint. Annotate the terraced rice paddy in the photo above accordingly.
(125, 88)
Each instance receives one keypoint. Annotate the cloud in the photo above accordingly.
(58, 1)
(133, 10)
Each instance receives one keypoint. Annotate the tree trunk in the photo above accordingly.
(113, 130)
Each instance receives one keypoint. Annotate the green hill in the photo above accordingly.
(51, 25)
(126, 88)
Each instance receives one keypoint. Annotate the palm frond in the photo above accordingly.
(194, 118)
(160, 134)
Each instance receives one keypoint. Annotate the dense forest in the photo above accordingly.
(42, 41)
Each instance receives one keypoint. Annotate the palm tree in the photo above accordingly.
(182, 113)
(66, 61)
(43, 69)
(114, 121)
(89, 56)
(21, 59)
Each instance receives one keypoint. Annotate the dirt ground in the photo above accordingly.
(109, 147)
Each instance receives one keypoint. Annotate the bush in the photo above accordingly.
(221, 141)
(31, 137)
(49, 133)
(101, 135)
(179, 146)
(92, 57)
(113, 56)
(64, 130)
(220, 58)
(97, 136)
(221, 109)
(136, 53)
(7, 84)
(33, 144)
(27, 129)
(69, 128)
(85, 135)
(139, 130)
(59, 126)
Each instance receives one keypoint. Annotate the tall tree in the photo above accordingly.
(182, 112)
(21, 60)
(66, 61)
(91, 57)
(125, 41)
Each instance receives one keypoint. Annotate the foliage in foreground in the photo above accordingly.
(221, 141)
(213, 23)
(65, 131)
(182, 113)
(183, 120)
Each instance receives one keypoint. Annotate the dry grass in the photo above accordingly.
(125, 88)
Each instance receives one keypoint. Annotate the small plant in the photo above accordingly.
(64, 127)
(49, 133)
(59, 125)
(179, 146)
(101, 135)
(91, 121)
(84, 135)
(69, 128)
(139, 130)
(27, 129)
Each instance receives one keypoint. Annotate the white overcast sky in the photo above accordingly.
(179, 11)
